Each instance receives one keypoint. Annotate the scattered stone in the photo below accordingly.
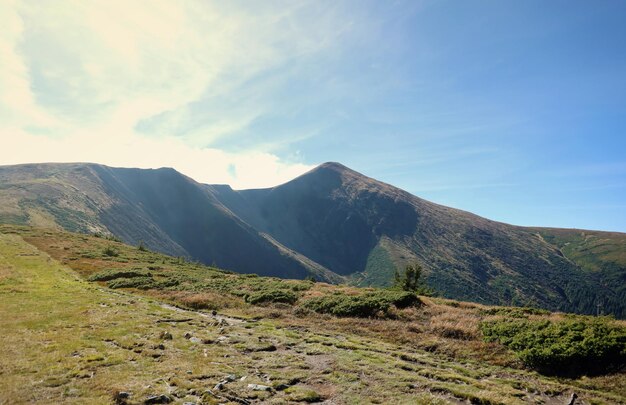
(120, 397)
(572, 400)
(219, 386)
(230, 378)
(262, 348)
(166, 335)
(195, 340)
(160, 346)
(158, 399)
(281, 387)
(174, 320)
(259, 387)
(214, 312)
(187, 335)
(243, 378)
(236, 399)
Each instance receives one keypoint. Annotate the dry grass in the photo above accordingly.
(454, 323)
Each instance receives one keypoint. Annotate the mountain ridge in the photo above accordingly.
(331, 223)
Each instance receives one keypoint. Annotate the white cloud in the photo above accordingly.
(206, 165)
(76, 79)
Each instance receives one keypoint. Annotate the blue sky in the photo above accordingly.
(514, 110)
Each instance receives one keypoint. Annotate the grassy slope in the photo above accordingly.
(73, 341)
(601, 254)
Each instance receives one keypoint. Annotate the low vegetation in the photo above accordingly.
(369, 304)
(572, 346)
(180, 329)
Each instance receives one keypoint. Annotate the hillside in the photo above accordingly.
(161, 208)
(332, 223)
(363, 229)
(601, 254)
(150, 328)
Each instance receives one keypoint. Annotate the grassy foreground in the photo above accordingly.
(67, 340)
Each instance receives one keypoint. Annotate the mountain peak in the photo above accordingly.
(334, 166)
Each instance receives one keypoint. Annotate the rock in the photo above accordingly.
(262, 348)
(572, 400)
(219, 386)
(243, 378)
(158, 399)
(281, 387)
(259, 387)
(121, 398)
(214, 312)
(230, 378)
(166, 335)
(187, 335)
(195, 340)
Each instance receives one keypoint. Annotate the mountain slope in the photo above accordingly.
(365, 229)
(332, 222)
(161, 208)
(601, 254)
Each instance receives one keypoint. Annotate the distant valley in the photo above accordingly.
(332, 224)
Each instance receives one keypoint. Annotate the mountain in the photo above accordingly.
(332, 223)
(161, 208)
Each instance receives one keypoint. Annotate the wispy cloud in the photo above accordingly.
(114, 81)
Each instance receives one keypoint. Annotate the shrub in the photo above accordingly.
(514, 312)
(364, 305)
(112, 274)
(142, 283)
(275, 295)
(570, 347)
(110, 251)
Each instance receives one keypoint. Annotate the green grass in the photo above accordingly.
(73, 341)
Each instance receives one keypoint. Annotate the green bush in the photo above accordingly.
(112, 274)
(570, 347)
(267, 296)
(514, 312)
(364, 305)
(142, 283)
(110, 251)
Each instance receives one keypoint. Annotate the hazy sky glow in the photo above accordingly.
(514, 110)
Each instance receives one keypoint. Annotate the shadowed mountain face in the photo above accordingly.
(161, 208)
(332, 223)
